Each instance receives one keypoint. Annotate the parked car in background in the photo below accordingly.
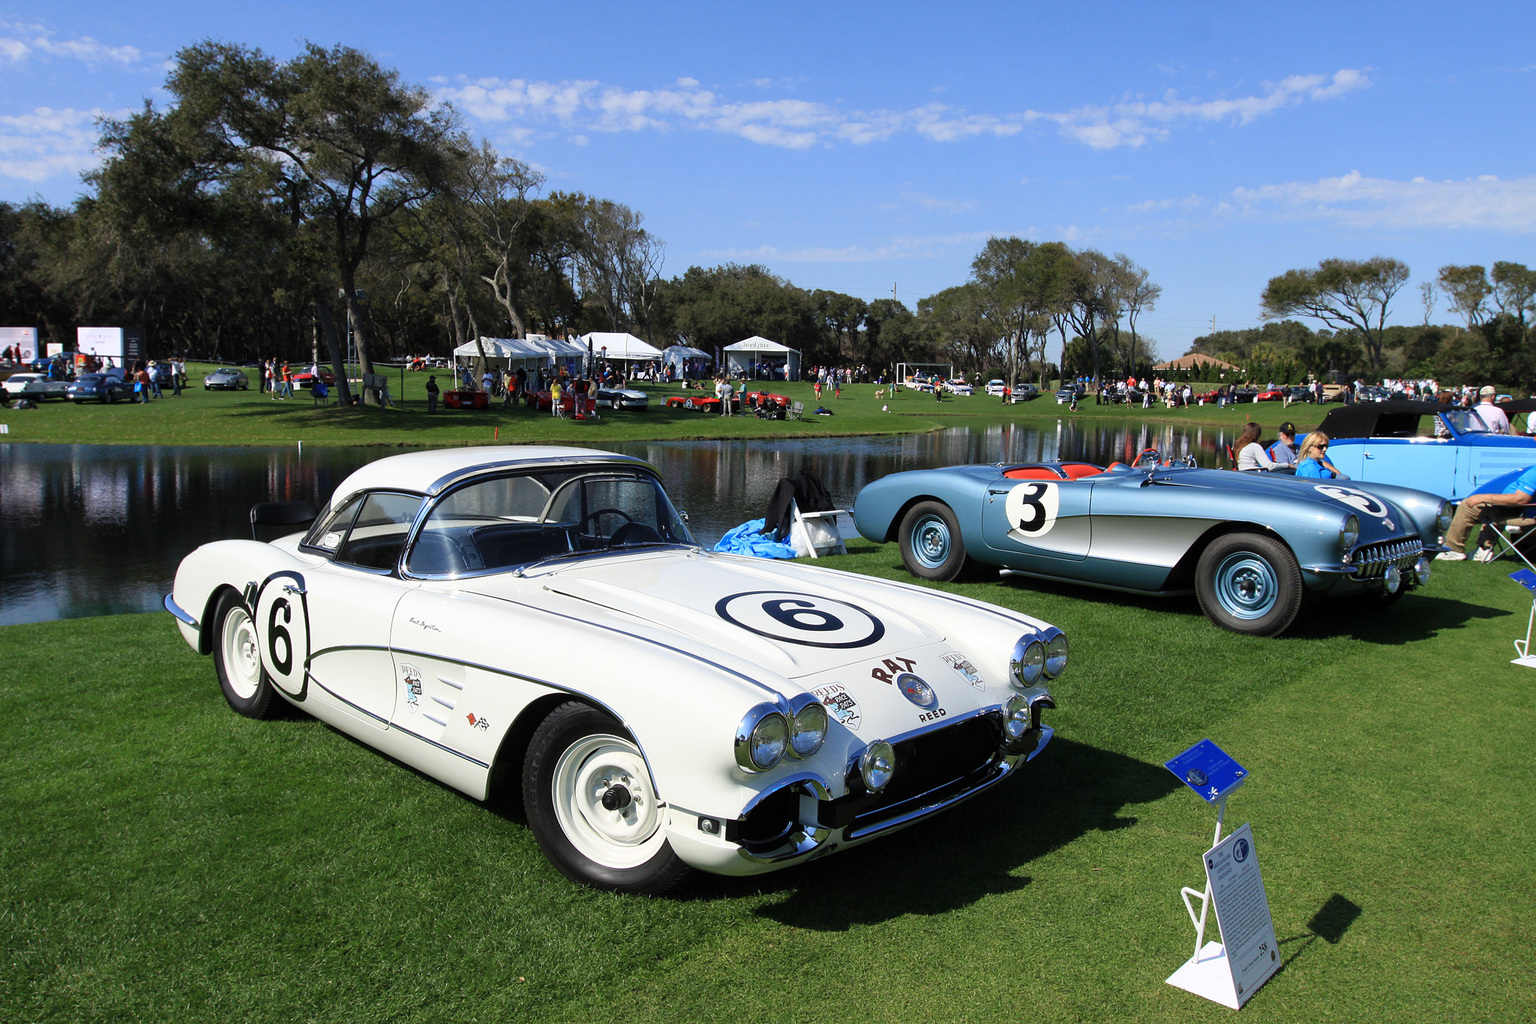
(1025, 392)
(306, 379)
(1270, 395)
(958, 387)
(100, 387)
(35, 386)
(1066, 395)
(622, 398)
(226, 379)
(537, 621)
(995, 388)
(1437, 448)
(1251, 546)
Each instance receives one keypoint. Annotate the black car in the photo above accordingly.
(100, 387)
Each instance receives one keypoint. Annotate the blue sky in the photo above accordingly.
(872, 148)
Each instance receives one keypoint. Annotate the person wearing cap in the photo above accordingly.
(1486, 415)
(1283, 452)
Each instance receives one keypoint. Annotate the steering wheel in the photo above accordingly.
(1141, 460)
(581, 526)
(635, 533)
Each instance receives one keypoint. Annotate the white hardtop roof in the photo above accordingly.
(431, 472)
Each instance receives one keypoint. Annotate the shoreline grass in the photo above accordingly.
(201, 417)
(168, 859)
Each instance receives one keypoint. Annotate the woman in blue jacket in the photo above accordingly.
(1313, 460)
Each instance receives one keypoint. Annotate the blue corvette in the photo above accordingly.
(1381, 442)
(1249, 545)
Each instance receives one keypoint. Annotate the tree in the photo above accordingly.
(1344, 294)
(1466, 289)
(1514, 289)
(330, 139)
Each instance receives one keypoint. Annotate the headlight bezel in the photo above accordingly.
(754, 744)
(809, 724)
(1349, 533)
(1026, 663)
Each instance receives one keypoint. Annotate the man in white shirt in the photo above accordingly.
(1492, 416)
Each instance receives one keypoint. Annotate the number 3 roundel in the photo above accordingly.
(1031, 508)
(282, 623)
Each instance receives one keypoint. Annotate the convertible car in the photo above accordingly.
(538, 620)
(1437, 448)
(622, 398)
(1250, 545)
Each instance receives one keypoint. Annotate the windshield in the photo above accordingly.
(511, 521)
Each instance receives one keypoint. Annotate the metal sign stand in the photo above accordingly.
(1526, 579)
(1211, 972)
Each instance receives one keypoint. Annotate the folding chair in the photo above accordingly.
(818, 532)
(1506, 530)
(795, 409)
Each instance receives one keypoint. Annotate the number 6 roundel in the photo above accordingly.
(1031, 508)
(282, 623)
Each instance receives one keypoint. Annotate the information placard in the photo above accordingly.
(1242, 911)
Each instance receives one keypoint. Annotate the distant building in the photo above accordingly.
(1193, 361)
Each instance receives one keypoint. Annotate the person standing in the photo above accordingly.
(432, 390)
(1486, 415)
(554, 398)
(141, 385)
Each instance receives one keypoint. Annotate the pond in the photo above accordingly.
(99, 529)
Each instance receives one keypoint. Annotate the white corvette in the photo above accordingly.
(540, 618)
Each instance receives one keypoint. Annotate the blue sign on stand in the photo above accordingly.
(1206, 769)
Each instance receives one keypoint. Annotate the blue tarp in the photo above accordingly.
(749, 539)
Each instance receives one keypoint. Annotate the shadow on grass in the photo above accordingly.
(1413, 617)
(963, 854)
(1329, 924)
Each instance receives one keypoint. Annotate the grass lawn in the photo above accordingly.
(169, 860)
(252, 418)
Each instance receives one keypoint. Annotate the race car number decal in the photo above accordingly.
(1366, 503)
(803, 619)
(1031, 509)
(281, 615)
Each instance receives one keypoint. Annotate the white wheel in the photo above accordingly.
(237, 659)
(592, 805)
(605, 803)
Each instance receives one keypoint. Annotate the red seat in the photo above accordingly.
(1078, 470)
(1033, 473)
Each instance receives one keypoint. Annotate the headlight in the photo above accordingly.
(1443, 518)
(1349, 533)
(1027, 661)
(1015, 719)
(1055, 652)
(761, 738)
(807, 727)
(877, 765)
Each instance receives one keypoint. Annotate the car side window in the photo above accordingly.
(377, 535)
(329, 532)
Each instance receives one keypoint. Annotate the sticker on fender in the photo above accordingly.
(1031, 508)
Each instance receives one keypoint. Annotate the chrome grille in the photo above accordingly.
(1371, 561)
(930, 767)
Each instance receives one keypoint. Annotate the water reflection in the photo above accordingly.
(98, 529)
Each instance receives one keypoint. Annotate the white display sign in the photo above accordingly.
(1248, 954)
(24, 338)
(100, 341)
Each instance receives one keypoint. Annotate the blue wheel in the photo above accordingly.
(931, 546)
(1249, 583)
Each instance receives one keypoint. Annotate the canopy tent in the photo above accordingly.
(685, 361)
(532, 353)
(760, 358)
(619, 346)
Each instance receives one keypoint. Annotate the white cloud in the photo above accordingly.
(20, 42)
(46, 142)
(588, 106)
(1134, 122)
(1483, 203)
(897, 248)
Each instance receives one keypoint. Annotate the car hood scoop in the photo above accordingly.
(739, 607)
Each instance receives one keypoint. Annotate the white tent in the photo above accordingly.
(763, 359)
(623, 347)
(686, 361)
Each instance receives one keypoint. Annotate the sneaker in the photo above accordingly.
(1451, 556)
(1483, 555)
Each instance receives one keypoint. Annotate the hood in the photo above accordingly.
(857, 654)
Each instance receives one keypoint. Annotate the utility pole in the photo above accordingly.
(1213, 325)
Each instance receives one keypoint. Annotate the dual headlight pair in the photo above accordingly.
(770, 732)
